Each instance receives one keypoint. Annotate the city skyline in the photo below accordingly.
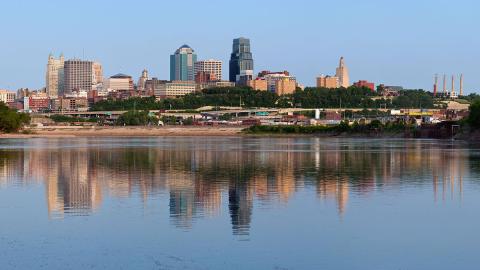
(401, 48)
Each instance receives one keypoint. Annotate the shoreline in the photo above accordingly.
(72, 132)
(193, 131)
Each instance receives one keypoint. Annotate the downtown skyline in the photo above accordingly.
(391, 48)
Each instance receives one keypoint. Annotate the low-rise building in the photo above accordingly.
(327, 81)
(258, 84)
(215, 84)
(37, 102)
(119, 82)
(273, 77)
(175, 89)
(364, 83)
(7, 96)
(285, 86)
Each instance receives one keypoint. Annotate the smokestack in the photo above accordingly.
(444, 84)
(461, 84)
(453, 86)
(435, 85)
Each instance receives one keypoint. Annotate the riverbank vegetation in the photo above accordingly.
(352, 97)
(57, 118)
(137, 118)
(474, 116)
(11, 120)
(373, 128)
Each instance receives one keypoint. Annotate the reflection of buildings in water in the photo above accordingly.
(11, 168)
(449, 174)
(196, 175)
(240, 205)
(71, 185)
(337, 190)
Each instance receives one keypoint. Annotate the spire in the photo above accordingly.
(342, 62)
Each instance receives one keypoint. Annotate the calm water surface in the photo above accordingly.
(238, 203)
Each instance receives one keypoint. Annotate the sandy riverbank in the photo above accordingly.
(61, 132)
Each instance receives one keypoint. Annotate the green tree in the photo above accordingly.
(474, 117)
(11, 120)
(136, 118)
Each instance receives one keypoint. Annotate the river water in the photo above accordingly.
(238, 203)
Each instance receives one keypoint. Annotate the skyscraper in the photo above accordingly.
(54, 79)
(241, 60)
(82, 75)
(342, 74)
(182, 64)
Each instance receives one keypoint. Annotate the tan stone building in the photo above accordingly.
(327, 82)
(285, 86)
(258, 84)
(174, 89)
(54, 79)
(342, 74)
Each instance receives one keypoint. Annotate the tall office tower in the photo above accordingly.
(211, 67)
(54, 77)
(182, 64)
(79, 75)
(142, 80)
(342, 74)
(241, 61)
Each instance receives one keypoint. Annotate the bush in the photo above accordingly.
(474, 117)
(10, 120)
(136, 118)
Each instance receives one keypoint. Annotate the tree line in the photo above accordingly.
(352, 97)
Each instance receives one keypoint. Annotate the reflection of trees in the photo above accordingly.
(196, 177)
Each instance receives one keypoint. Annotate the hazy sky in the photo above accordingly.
(393, 42)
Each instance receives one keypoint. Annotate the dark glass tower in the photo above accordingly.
(241, 60)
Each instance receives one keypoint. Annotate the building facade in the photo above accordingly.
(80, 75)
(285, 86)
(258, 84)
(211, 68)
(342, 74)
(273, 77)
(182, 64)
(214, 84)
(7, 96)
(119, 82)
(174, 89)
(54, 79)
(142, 80)
(367, 84)
(328, 82)
(241, 61)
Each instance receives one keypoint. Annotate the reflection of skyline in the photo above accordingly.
(197, 177)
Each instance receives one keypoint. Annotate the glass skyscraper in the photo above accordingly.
(182, 64)
(241, 60)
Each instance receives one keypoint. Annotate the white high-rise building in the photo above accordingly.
(342, 74)
(54, 79)
(210, 66)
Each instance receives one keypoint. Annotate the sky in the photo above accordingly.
(384, 41)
